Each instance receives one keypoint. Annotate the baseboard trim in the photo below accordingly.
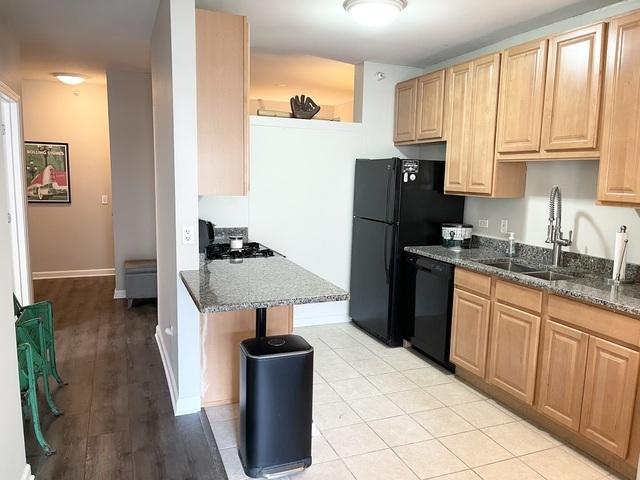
(181, 405)
(117, 294)
(97, 272)
(26, 473)
(324, 320)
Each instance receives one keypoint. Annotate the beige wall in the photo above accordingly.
(132, 174)
(9, 58)
(78, 236)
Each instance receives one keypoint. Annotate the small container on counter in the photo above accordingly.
(456, 236)
(235, 242)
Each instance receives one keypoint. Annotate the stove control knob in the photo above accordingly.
(412, 177)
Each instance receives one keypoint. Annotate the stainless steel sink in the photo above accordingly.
(549, 275)
(510, 266)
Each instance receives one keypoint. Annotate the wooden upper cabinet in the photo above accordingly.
(619, 177)
(573, 88)
(430, 107)
(469, 331)
(459, 83)
(563, 364)
(609, 395)
(405, 113)
(521, 98)
(222, 75)
(513, 351)
(483, 104)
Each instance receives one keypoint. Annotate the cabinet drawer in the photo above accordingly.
(476, 282)
(520, 296)
(603, 322)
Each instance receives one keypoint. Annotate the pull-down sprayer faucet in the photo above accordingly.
(554, 229)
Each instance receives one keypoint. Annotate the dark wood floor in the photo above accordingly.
(118, 421)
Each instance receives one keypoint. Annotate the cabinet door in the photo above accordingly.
(564, 359)
(469, 331)
(521, 98)
(459, 82)
(513, 351)
(609, 395)
(572, 92)
(619, 177)
(222, 50)
(482, 124)
(430, 116)
(405, 115)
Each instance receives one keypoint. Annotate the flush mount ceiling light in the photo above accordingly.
(374, 13)
(70, 78)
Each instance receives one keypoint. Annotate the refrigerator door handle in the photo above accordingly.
(389, 177)
(386, 255)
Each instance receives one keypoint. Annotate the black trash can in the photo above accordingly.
(276, 396)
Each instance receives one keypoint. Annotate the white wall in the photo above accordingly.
(594, 226)
(375, 105)
(132, 178)
(13, 464)
(225, 211)
(176, 186)
(302, 199)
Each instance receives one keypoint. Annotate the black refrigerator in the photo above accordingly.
(397, 203)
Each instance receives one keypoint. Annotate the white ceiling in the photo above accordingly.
(279, 77)
(81, 36)
(90, 36)
(427, 31)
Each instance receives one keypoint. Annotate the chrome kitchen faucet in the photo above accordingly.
(554, 229)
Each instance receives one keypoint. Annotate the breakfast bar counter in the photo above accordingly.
(253, 283)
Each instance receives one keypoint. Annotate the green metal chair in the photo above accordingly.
(31, 332)
(44, 311)
(29, 391)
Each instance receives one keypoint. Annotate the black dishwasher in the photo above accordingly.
(429, 305)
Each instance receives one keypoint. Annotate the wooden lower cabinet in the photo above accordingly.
(469, 331)
(609, 394)
(513, 351)
(562, 369)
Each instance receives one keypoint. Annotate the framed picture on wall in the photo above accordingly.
(47, 165)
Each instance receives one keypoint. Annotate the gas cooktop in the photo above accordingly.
(221, 251)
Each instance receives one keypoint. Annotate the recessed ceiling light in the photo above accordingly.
(70, 78)
(374, 13)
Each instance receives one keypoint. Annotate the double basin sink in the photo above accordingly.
(529, 271)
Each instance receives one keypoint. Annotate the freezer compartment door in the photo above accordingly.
(375, 189)
(371, 275)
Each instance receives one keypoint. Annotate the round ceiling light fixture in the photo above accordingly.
(70, 78)
(374, 13)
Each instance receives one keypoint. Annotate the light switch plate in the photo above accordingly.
(483, 223)
(105, 199)
(504, 226)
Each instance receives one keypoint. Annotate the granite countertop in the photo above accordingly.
(222, 286)
(587, 286)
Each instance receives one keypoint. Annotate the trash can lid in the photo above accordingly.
(275, 345)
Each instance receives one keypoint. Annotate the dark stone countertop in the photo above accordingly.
(222, 286)
(587, 287)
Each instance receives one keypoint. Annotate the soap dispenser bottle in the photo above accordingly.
(511, 245)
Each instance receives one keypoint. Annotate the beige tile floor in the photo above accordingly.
(389, 414)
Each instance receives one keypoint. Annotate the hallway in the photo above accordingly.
(118, 421)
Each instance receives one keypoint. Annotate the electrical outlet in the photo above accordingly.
(187, 235)
(504, 226)
(105, 199)
(483, 223)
